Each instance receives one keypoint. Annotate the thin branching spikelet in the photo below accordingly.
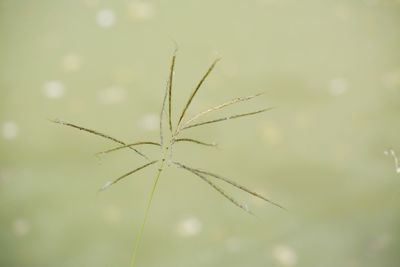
(194, 141)
(97, 133)
(221, 106)
(171, 77)
(108, 184)
(129, 146)
(219, 189)
(226, 118)
(229, 181)
(196, 90)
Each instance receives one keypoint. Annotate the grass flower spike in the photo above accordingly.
(167, 143)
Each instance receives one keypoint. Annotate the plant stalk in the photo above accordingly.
(138, 239)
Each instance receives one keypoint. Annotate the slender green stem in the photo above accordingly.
(138, 239)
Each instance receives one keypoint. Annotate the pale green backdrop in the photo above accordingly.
(331, 69)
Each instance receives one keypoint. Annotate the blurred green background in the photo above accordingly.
(332, 69)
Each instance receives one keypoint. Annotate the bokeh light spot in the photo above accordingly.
(141, 10)
(54, 89)
(111, 95)
(71, 62)
(338, 86)
(190, 226)
(21, 227)
(285, 255)
(105, 18)
(112, 214)
(10, 130)
(149, 122)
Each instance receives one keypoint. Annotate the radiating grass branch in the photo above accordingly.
(128, 146)
(196, 90)
(226, 118)
(98, 134)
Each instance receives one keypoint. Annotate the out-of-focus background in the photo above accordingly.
(332, 69)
